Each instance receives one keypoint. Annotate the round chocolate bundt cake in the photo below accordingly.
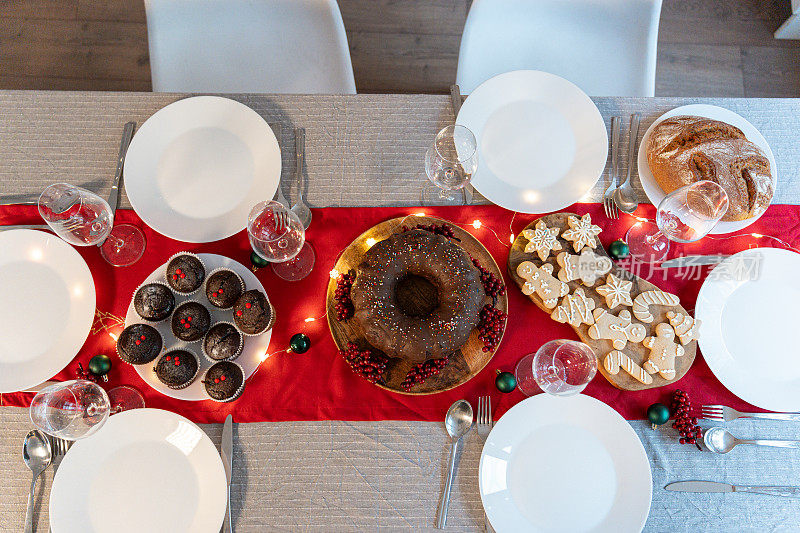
(417, 333)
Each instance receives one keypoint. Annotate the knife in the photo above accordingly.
(127, 135)
(713, 486)
(455, 100)
(694, 260)
(226, 452)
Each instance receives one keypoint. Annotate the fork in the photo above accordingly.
(300, 208)
(726, 414)
(608, 198)
(484, 427)
(60, 447)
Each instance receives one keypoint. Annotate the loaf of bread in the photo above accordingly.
(685, 149)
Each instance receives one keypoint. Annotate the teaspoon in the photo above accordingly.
(720, 440)
(458, 423)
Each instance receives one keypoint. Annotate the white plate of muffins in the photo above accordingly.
(699, 141)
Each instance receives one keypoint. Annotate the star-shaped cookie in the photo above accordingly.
(542, 240)
(582, 232)
(616, 291)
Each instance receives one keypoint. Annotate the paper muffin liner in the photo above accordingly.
(269, 325)
(174, 293)
(203, 344)
(210, 321)
(116, 346)
(175, 349)
(236, 394)
(202, 283)
(208, 276)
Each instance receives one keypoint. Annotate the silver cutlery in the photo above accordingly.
(226, 452)
(125, 142)
(726, 414)
(300, 208)
(608, 198)
(458, 423)
(37, 456)
(484, 427)
(720, 440)
(59, 448)
(693, 260)
(625, 197)
(455, 100)
(25, 226)
(714, 486)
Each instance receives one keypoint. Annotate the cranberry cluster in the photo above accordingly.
(684, 422)
(494, 287)
(344, 305)
(490, 327)
(441, 229)
(422, 371)
(365, 363)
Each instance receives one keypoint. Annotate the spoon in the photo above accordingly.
(458, 423)
(300, 208)
(37, 456)
(720, 440)
(625, 196)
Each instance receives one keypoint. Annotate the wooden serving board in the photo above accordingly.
(636, 351)
(465, 363)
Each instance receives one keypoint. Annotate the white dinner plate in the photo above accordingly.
(564, 464)
(47, 307)
(144, 470)
(654, 191)
(748, 309)
(255, 346)
(542, 143)
(196, 168)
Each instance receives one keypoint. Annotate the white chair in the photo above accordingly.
(254, 46)
(605, 47)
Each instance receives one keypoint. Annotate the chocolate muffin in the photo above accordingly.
(253, 313)
(185, 273)
(139, 344)
(223, 288)
(223, 341)
(154, 302)
(224, 381)
(177, 368)
(190, 321)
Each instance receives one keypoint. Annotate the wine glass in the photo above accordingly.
(125, 398)
(560, 367)
(82, 218)
(449, 163)
(686, 214)
(70, 410)
(277, 236)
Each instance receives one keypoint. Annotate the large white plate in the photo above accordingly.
(542, 143)
(255, 346)
(564, 464)
(654, 191)
(47, 307)
(144, 470)
(748, 309)
(196, 168)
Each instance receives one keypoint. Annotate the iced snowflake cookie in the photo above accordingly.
(663, 351)
(575, 309)
(540, 280)
(616, 360)
(616, 291)
(686, 327)
(617, 329)
(642, 303)
(586, 267)
(581, 232)
(541, 240)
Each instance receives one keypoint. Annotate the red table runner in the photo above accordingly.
(318, 385)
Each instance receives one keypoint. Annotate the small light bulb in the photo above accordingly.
(477, 224)
(113, 336)
(264, 357)
(334, 274)
(371, 242)
(756, 235)
(419, 214)
(512, 238)
(310, 319)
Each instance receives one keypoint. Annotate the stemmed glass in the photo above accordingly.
(560, 367)
(82, 218)
(277, 236)
(686, 214)
(70, 410)
(449, 163)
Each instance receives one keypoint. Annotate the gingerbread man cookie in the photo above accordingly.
(663, 351)
(540, 280)
(616, 360)
(586, 267)
(618, 329)
(575, 309)
(685, 326)
(542, 240)
(642, 303)
(616, 291)
(581, 232)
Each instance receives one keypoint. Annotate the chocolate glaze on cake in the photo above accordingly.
(252, 313)
(177, 368)
(139, 344)
(442, 330)
(190, 321)
(185, 273)
(154, 301)
(223, 288)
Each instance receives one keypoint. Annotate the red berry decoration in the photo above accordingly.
(442, 229)
(422, 371)
(491, 285)
(365, 363)
(344, 305)
(490, 327)
(685, 423)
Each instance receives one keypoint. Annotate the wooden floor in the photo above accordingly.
(705, 47)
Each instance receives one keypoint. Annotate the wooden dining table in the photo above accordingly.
(335, 475)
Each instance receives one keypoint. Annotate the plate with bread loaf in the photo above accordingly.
(705, 142)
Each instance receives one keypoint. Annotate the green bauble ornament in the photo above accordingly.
(257, 260)
(99, 365)
(618, 249)
(299, 343)
(657, 414)
(505, 381)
